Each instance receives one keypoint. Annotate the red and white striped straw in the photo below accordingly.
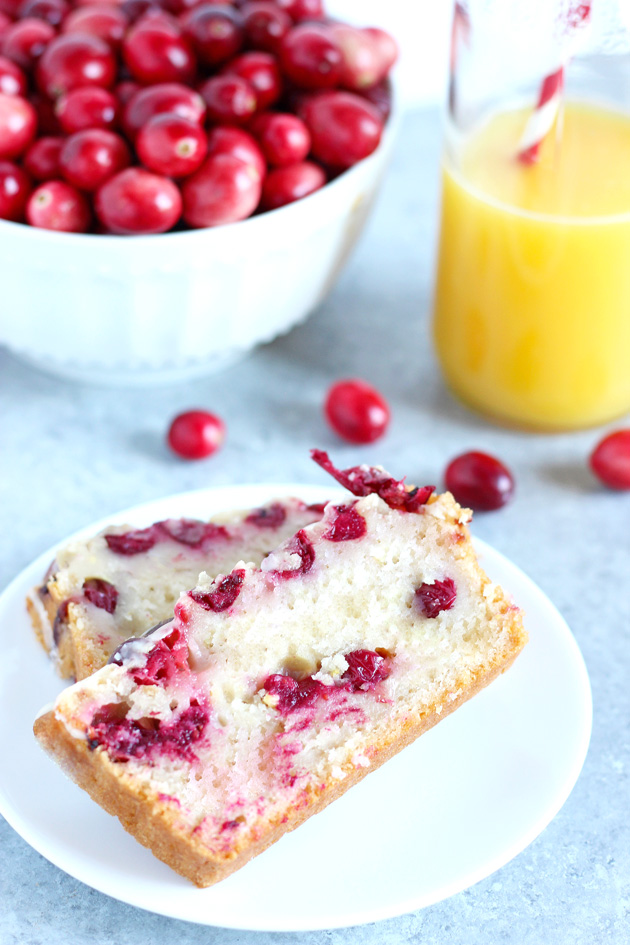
(544, 115)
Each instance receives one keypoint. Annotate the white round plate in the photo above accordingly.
(442, 815)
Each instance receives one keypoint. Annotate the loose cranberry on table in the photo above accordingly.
(15, 187)
(56, 205)
(73, 60)
(285, 185)
(196, 434)
(223, 190)
(610, 460)
(106, 21)
(344, 128)
(479, 481)
(18, 123)
(42, 158)
(25, 41)
(262, 72)
(356, 411)
(227, 139)
(171, 145)
(154, 54)
(284, 138)
(87, 107)
(89, 158)
(171, 97)
(214, 32)
(265, 25)
(138, 202)
(229, 100)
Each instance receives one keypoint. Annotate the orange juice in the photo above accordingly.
(532, 308)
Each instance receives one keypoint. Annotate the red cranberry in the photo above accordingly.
(101, 593)
(15, 187)
(269, 516)
(72, 60)
(300, 10)
(386, 46)
(301, 546)
(42, 158)
(12, 79)
(226, 139)
(171, 145)
(214, 32)
(365, 669)
(89, 158)
(223, 190)
(5, 23)
(229, 100)
(265, 25)
(370, 480)
(47, 121)
(10, 8)
(18, 121)
(125, 738)
(347, 525)
(167, 659)
(261, 70)
(126, 90)
(610, 460)
(436, 597)
(344, 128)
(284, 138)
(158, 100)
(86, 107)
(196, 434)
(106, 21)
(356, 411)
(51, 11)
(24, 42)
(291, 694)
(136, 201)
(135, 9)
(153, 54)
(479, 481)
(56, 205)
(285, 185)
(136, 542)
(311, 58)
(362, 66)
(223, 595)
(158, 18)
(192, 532)
(381, 97)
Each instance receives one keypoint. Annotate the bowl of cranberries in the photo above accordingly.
(179, 180)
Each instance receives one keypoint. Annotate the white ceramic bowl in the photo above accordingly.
(158, 309)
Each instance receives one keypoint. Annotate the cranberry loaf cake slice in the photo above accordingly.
(122, 581)
(274, 689)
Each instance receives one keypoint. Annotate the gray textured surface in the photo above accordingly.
(73, 454)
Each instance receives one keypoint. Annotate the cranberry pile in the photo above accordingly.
(139, 116)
